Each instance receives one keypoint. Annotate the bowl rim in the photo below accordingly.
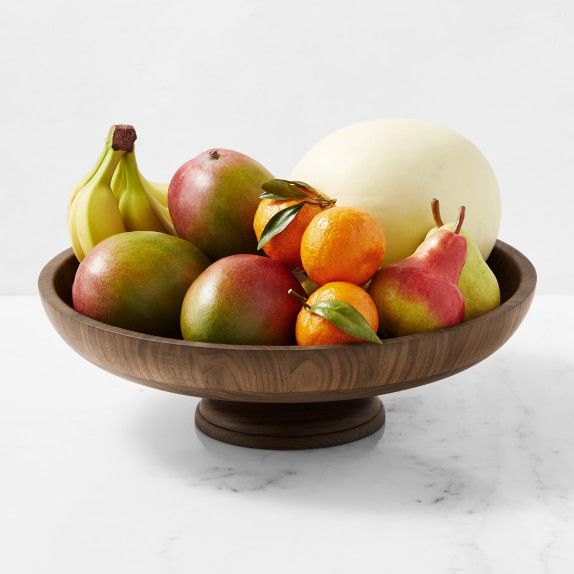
(46, 286)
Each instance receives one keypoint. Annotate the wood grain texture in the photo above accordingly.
(288, 373)
(289, 426)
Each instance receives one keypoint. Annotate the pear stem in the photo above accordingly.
(123, 138)
(436, 212)
(299, 298)
(459, 220)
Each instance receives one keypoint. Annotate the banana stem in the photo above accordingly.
(108, 166)
(131, 167)
(436, 212)
(459, 220)
(123, 138)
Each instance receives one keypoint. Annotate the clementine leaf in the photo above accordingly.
(279, 222)
(282, 189)
(313, 192)
(347, 318)
(309, 189)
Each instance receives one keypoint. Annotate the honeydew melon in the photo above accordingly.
(394, 167)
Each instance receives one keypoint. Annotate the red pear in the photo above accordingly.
(420, 293)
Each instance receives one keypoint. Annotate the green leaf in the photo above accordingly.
(347, 318)
(279, 222)
(312, 191)
(268, 195)
(304, 186)
(281, 189)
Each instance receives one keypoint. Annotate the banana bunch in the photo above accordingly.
(114, 197)
(142, 203)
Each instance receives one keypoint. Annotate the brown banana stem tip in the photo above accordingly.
(459, 219)
(436, 212)
(124, 138)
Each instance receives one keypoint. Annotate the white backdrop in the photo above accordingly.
(270, 79)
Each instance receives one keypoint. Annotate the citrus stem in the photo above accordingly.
(299, 298)
(319, 202)
(436, 212)
(322, 200)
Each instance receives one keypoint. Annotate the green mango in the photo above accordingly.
(137, 280)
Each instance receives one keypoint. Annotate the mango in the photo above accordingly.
(242, 299)
(212, 201)
(137, 280)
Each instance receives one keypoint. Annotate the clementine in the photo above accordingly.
(285, 246)
(311, 329)
(342, 244)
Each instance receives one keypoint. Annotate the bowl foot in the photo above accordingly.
(289, 426)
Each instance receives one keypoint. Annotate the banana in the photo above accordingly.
(156, 191)
(95, 168)
(93, 212)
(114, 197)
(118, 183)
(157, 196)
(136, 212)
(79, 252)
(135, 208)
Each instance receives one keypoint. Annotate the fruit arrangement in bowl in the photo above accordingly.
(289, 304)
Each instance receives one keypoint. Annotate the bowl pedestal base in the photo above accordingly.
(289, 426)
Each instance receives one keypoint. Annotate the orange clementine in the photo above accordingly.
(285, 246)
(311, 329)
(343, 244)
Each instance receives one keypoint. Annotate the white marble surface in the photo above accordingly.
(474, 474)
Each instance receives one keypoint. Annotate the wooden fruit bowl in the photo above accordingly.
(290, 397)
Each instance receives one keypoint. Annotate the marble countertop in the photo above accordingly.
(473, 474)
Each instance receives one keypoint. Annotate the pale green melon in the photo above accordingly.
(394, 167)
